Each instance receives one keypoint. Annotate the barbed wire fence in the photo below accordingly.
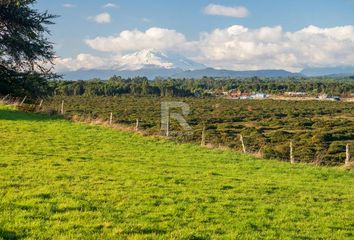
(199, 134)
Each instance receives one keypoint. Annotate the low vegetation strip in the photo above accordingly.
(319, 130)
(64, 180)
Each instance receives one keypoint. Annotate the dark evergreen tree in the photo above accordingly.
(26, 54)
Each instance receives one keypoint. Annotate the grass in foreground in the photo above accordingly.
(64, 180)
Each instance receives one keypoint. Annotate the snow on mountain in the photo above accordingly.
(152, 63)
(151, 58)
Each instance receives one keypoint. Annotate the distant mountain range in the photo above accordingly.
(151, 64)
(211, 72)
(153, 59)
(331, 71)
(152, 73)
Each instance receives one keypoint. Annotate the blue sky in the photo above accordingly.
(188, 17)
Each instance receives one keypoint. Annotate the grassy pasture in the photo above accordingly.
(64, 180)
(319, 130)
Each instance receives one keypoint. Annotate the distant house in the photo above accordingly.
(330, 98)
(251, 96)
(259, 96)
(245, 97)
(235, 93)
(323, 97)
(295, 94)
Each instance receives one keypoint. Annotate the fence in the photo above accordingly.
(203, 135)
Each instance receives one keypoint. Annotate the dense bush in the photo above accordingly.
(319, 137)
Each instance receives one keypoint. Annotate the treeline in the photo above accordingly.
(201, 87)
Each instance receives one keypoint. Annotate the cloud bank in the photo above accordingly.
(82, 61)
(157, 38)
(236, 47)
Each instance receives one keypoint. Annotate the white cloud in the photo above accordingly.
(235, 47)
(110, 5)
(238, 47)
(236, 12)
(68, 5)
(134, 40)
(102, 18)
(82, 61)
(132, 61)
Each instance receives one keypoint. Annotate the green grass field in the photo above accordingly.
(64, 180)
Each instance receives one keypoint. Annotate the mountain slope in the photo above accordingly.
(151, 64)
(156, 59)
(339, 71)
(73, 181)
(148, 63)
(211, 72)
(150, 73)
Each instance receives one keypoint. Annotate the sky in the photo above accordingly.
(231, 34)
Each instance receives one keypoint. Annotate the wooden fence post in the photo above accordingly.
(111, 119)
(203, 136)
(62, 108)
(243, 144)
(23, 101)
(40, 104)
(5, 97)
(168, 128)
(137, 125)
(347, 156)
(292, 160)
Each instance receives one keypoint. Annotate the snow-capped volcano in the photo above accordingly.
(151, 58)
(152, 64)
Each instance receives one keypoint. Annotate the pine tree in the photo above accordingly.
(26, 54)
